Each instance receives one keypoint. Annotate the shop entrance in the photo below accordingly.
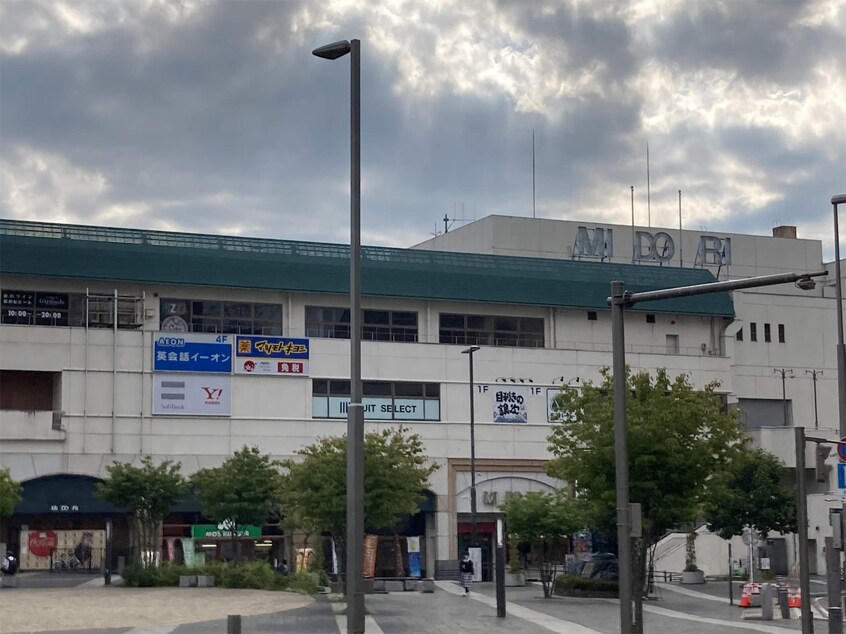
(485, 532)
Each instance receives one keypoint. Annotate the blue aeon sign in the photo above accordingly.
(178, 352)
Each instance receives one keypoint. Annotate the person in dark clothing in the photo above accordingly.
(465, 570)
(10, 564)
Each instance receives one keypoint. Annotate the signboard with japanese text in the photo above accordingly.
(376, 408)
(192, 395)
(178, 352)
(223, 529)
(509, 404)
(278, 356)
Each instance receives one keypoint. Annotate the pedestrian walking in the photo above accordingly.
(466, 571)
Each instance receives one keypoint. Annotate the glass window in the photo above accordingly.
(781, 338)
(377, 325)
(767, 337)
(382, 400)
(491, 330)
(739, 335)
(753, 331)
(242, 318)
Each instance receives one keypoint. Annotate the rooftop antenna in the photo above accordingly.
(633, 227)
(533, 174)
(448, 222)
(648, 205)
(681, 235)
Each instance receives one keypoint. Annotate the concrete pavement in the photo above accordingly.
(89, 607)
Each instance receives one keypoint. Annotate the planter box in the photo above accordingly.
(515, 579)
(394, 586)
(426, 585)
(187, 581)
(205, 581)
(693, 577)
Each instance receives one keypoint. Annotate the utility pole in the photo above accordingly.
(786, 373)
(814, 374)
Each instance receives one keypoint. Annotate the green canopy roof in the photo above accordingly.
(132, 255)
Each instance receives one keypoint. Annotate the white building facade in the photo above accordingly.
(114, 345)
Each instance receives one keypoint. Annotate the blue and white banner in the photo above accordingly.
(178, 352)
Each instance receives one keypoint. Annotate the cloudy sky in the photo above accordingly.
(215, 117)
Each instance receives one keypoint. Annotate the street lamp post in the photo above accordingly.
(814, 374)
(841, 347)
(619, 300)
(786, 373)
(473, 535)
(355, 414)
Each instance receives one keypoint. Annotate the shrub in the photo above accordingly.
(137, 576)
(305, 582)
(570, 582)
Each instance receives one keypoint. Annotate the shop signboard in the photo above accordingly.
(510, 404)
(192, 395)
(224, 529)
(186, 352)
(275, 356)
(413, 556)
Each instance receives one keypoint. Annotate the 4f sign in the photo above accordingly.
(841, 450)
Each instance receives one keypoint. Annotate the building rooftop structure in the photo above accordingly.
(132, 255)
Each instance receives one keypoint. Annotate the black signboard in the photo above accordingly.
(18, 299)
(52, 301)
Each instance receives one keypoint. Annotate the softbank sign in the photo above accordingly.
(650, 247)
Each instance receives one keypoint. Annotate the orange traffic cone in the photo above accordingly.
(746, 595)
(794, 598)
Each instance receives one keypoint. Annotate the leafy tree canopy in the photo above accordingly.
(244, 489)
(10, 493)
(751, 492)
(677, 438)
(545, 520)
(395, 471)
(148, 491)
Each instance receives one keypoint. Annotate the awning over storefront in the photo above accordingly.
(62, 493)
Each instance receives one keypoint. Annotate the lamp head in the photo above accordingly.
(471, 350)
(806, 284)
(333, 50)
(838, 199)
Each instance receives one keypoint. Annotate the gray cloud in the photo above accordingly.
(215, 117)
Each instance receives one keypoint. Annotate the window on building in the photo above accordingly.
(377, 325)
(29, 391)
(781, 338)
(383, 400)
(38, 308)
(241, 318)
(672, 344)
(491, 330)
(739, 335)
(591, 315)
(767, 337)
(753, 331)
(650, 319)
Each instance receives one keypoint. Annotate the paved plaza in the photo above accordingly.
(46, 603)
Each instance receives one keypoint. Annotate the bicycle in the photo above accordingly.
(71, 563)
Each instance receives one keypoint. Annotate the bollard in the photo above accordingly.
(835, 620)
(233, 624)
(782, 602)
(766, 602)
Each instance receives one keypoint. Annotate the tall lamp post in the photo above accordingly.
(841, 347)
(620, 300)
(473, 535)
(814, 374)
(355, 414)
(786, 373)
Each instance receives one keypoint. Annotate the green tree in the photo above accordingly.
(148, 492)
(10, 493)
(546, 521)
(750, 492)
(678, 437)
(243, 490)
(395, 472)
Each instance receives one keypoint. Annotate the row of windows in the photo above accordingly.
(241, 318)
(377, 325)
(753, 333)
(381, 400)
